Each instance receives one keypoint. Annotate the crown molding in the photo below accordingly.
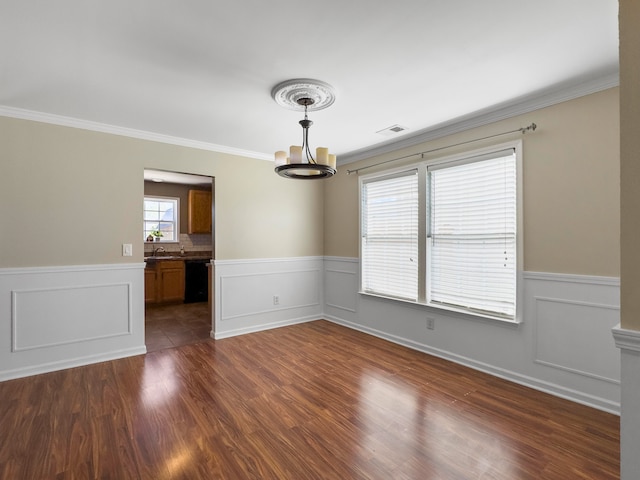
(61, 120)
(520, 106)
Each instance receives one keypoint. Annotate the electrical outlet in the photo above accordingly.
(431, 323)
(127, 249)
(276, 300)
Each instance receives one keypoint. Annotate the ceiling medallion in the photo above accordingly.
(289, 93)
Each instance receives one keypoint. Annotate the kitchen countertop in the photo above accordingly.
(187, 256)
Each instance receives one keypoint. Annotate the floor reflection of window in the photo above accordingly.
(159, 380)
(384, 401)
(402, 423)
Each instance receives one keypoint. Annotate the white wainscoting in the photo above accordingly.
(253, 295)
(563, 345)
(568, 336)
(60, 317)
(628, 341)
(341, 284)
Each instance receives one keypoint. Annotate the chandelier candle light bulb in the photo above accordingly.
(281, 158)
(322, 155)
(295, 154)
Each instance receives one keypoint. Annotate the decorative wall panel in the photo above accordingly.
(60, 317)
(57, 316)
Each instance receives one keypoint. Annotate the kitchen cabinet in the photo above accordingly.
(199, 211)
(164, 281)
(150, 287)
(170, 280)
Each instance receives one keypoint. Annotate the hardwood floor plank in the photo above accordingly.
(310, 401)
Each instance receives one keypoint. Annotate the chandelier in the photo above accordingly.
(307, 94)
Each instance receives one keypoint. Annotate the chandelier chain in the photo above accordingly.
(305, 136)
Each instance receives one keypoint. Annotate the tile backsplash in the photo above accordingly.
(191, 243)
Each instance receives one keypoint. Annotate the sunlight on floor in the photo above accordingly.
(401, 421)
(159, 381)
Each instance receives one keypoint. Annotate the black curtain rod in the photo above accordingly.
(522, 130)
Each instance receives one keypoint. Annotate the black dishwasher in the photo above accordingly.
(196, 281)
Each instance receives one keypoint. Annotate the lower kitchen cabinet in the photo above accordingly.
(150, 285)
(170, 280)
(164, 282)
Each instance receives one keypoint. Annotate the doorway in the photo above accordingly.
(179, 238)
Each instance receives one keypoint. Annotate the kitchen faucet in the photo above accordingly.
(157, 250)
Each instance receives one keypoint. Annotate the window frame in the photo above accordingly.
(423, 255)
(176, 217)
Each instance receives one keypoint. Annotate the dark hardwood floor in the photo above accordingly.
(311, 401)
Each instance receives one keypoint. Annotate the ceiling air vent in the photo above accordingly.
(392, 130)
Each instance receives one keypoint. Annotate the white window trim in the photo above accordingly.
(177, 215)
(422, 187)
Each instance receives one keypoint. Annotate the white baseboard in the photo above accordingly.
(70, 363)
(262, 327)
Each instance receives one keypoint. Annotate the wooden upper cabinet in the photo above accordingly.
(199, 211)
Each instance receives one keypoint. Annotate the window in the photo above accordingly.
(161, 216)
(445, 233)
(390, 236)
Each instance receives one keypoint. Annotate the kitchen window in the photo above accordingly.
(445, 233)
(161, 219)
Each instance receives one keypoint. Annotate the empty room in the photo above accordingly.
(279, 240)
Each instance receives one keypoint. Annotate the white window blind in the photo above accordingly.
(472, 234)
(390, 236)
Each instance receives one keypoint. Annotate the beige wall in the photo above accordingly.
(72, 197)
(571, 187)
(630, 163)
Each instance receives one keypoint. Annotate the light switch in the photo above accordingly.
(127, 249)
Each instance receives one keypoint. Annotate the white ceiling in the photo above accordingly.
(203, 70)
